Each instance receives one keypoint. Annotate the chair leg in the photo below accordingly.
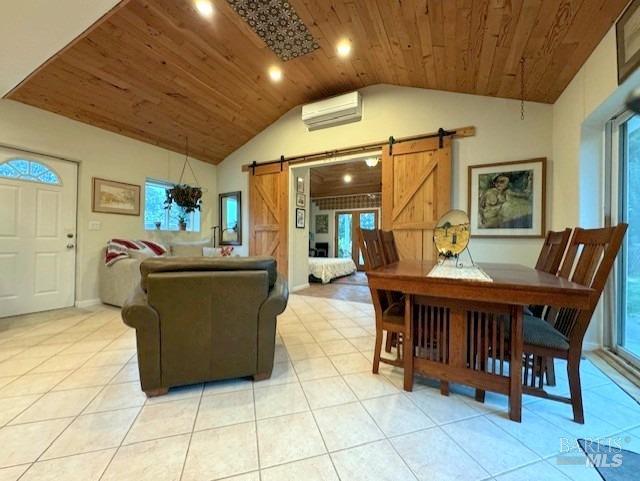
(407, 344)
(444, 388)
(573, 372)
(550, 371)
(389, 341)
(376, 351)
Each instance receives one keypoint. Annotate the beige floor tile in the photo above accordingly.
(33, 384)
(227, 385)
(364, 343)
(288, 438)
(62, 362)
(367, 385)
(92, 432)
(280, 353)
(340, 346)
(7, 353)
(351, 363)
(11, 407)
(109, 358)
(25, 442)
(224, 409)
(278, 400)
(326, 392)
(128, 373)
(346, 425)
(126, 341)
(315, 326)
(377, 461)
(41, 350)
(397, 415)
(222, 452)
(88, 376)
(165, 419)
(18, 367)
(87, 346)
(117, 396)
(352, 332)
(308, 369)
(13, 473)
(312, 469)
(82, 467)
(304, 351)
(327, 335)
(159, 460)
(254, 476)
(297, 338)
(283, 373)
(58, 404)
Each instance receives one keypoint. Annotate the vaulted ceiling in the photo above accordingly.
(157, 71)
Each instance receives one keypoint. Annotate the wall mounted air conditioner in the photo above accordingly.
(333, 111)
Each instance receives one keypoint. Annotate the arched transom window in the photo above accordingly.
(21, 169)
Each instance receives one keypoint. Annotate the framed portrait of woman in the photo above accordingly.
(507, 199)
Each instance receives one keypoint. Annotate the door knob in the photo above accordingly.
(70, 246)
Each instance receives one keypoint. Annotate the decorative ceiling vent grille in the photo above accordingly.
(277, 23)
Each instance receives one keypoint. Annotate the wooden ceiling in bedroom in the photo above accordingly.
(157, 71)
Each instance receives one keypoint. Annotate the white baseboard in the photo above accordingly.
(300, 287)
(88, 303)
(591, 346)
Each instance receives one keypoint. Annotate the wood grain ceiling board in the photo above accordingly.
(155, 70)
(328, 180)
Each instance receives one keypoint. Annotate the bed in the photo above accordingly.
(324, 269)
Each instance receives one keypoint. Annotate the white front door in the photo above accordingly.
(37, 233)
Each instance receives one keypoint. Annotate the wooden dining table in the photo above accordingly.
(470, 331)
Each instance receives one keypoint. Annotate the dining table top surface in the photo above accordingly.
(511, 283)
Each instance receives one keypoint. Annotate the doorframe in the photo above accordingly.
(78, 164)
(293, 262)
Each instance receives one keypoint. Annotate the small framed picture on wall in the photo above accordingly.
(628, 41)
(300, 200)
(300, 184)
(300, 214)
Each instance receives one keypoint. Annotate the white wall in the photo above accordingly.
(298, 238)
(102, 154)
(579, 117)
(403, 111)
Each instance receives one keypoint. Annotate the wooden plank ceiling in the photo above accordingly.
(157, 71)
(328, 181)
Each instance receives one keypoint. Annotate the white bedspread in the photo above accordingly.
(327, 268)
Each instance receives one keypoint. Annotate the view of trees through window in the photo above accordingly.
(154, 211)
(631, 253)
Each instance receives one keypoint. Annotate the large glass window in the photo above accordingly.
(155, 214)
(628, 337)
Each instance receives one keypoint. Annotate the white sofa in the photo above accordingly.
(117, 281)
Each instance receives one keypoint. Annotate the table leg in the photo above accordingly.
(407, 343)
(515, 365)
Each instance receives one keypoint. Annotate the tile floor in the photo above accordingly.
(71, 409)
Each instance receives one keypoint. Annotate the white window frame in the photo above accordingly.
(191, 217)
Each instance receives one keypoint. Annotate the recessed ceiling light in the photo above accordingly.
(344, 48)
(347, 178)
(205, 7)
(275, 73)
(372, 161)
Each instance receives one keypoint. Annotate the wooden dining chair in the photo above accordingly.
(389, 248)
(392, 316)
(549, 259)
(559, 335)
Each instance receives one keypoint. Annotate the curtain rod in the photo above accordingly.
(297, 159)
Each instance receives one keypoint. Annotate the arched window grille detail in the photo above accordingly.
(21, 169)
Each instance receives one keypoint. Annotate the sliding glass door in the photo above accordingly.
(626, 199)
(346, 223)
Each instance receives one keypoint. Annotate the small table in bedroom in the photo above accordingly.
(459, 324)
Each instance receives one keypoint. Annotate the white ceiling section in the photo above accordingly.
(31, 31)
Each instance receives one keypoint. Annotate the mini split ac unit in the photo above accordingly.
(333, 111)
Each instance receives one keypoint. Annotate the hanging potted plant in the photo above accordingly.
(185, 196)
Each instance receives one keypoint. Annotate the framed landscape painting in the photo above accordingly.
(628, 41)
(507, 199)
(113, 197)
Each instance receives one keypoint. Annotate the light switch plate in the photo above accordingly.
(95, 225)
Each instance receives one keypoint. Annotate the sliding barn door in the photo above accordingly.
(268, 212)
(416, 191)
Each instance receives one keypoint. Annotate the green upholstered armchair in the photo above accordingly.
(200, 319)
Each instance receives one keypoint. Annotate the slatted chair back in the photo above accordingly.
(371, 247)
(588, 261)
(389, 248)
(552, 251)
